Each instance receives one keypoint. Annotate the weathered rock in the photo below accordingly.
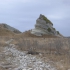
(44, 26)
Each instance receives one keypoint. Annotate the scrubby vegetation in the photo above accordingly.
(58, 32)
(52, 45)
(49, 29)
(54, 49)
(47, 20)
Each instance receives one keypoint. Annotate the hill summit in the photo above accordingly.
(12, 29)
(6, 30)
(44, 26)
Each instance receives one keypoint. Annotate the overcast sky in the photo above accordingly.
(22, 14)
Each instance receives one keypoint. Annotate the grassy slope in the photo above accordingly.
(5, 32)
(46, 46)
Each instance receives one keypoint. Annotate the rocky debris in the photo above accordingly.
(8, 42)
(27, 62)
(3, 25)
(44, 26)
(17, 60)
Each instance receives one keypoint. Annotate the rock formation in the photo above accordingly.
(44, 26)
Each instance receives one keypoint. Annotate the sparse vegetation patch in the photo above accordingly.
(49, 29)
(47, 20)
(58, 32)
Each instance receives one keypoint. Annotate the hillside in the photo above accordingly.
(34, 53)
(30, 35)
(6, 32)
(5, 26)
(41, 48)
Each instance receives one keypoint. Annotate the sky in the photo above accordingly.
(22, 14)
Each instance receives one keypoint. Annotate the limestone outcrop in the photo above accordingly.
(44, 26)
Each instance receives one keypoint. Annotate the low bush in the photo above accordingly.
(58, 32)
(47, 20)
(49, 29)
(32, 52)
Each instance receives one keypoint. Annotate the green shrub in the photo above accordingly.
(58, 32)
(49, 29)
(47, 20)
(54, 28)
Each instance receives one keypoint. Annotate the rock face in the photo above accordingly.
(5, 26)
(44, 26)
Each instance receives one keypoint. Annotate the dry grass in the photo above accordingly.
(5, 32)
(52, 45)
(61, 62)
(28, 34)
(45, 46)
